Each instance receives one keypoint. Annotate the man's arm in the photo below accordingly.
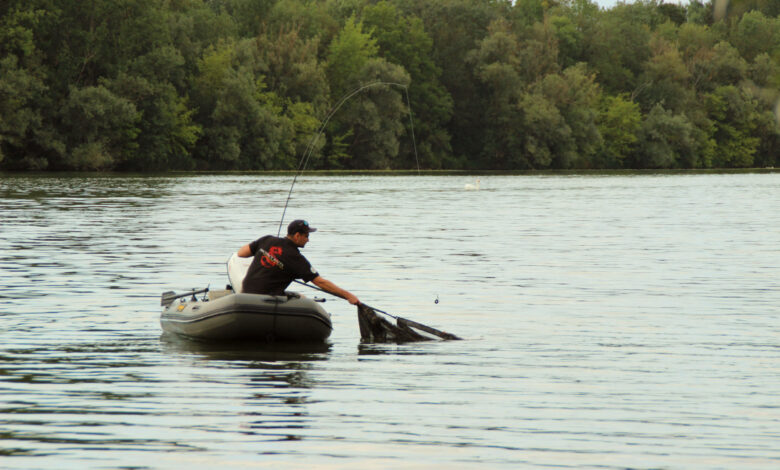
(328, 286)
(244, 251)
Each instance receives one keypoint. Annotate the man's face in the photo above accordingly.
(300, 239)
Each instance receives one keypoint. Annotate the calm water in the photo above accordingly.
(610, 321)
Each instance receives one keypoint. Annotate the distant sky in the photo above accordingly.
(607, 3)
(611, 3)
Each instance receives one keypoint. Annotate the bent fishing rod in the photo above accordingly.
(310, 147)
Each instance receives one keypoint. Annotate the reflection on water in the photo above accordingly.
(610, 322)
(293, 353)
(276, 379)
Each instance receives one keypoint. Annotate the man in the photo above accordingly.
(277, 262)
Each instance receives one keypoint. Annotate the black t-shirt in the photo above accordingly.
(264, 277)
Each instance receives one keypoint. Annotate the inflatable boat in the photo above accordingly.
(232, 315)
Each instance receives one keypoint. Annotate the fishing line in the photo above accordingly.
(310, 148)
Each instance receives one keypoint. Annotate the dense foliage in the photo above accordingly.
(150, 85)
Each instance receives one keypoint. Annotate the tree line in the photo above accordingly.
(150, 85)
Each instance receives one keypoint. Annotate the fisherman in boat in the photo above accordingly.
(278, 262)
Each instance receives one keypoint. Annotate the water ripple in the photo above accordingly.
(610, 322)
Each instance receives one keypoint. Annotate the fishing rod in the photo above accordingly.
(310, 147)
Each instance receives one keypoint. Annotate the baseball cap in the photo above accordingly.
(299, 226)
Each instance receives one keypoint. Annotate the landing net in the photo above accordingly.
(376, 329)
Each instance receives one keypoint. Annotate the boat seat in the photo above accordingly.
(215, 294)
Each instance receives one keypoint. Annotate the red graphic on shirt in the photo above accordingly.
(274, 251)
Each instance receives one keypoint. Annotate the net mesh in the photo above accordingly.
(376, 329)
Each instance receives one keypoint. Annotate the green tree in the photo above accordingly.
(675, 13)
(618, 47)
(299, 88)
(241, 122)
(764, 74)
(665, 79)
(368, 126)
(696, 43)
(546, 137)
(576, 96)
(312, 19)
(738, 8)
(194, 26)
(665, 140)
(764, 71)
(19, 117)
(103, 57)
(402, 40)
(569, 40)
(456, 27)
(538, 52)
(167, 133)
(92, 40)
(735, 115)
(250, 16)
(292, 68)
(102, 126)
(619, 121)
(499, 70)
(23, 90)
(756, 34)
(768, 133)
(348, 54)
(726, 65)
(699, 13)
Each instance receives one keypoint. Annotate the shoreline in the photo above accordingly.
(579, 172)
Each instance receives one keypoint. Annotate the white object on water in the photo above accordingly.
(237, 268)
(472, 187)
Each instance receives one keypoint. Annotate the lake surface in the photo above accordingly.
(611, 322)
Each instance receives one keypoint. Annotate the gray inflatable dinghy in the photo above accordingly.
(225, 315)
(232, 315)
